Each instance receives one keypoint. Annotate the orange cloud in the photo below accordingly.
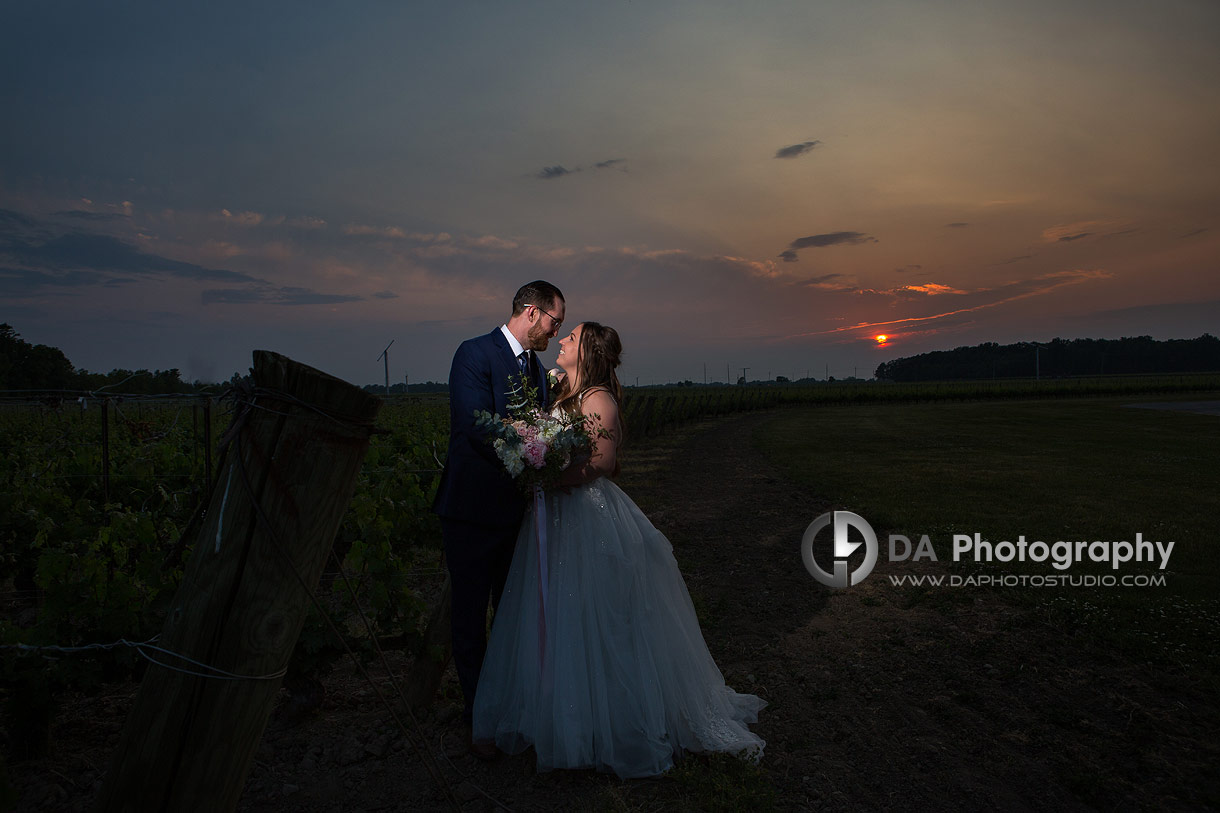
(932, 289)
(1035, 287)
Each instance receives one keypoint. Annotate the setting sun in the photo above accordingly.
(882, 338)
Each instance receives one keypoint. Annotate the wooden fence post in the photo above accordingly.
(294, 451)
(105, 410)
(207, 448)
(194, 436)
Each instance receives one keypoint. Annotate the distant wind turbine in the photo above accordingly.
(385, 354)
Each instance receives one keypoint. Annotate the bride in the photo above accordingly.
(614, 674)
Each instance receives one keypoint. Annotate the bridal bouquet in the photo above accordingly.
(534, 447)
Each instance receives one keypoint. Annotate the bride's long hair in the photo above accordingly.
(600, 351)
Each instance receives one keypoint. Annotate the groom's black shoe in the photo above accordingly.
(485, 751)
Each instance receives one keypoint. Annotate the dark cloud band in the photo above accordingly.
(559, 171)
(796, 150)
(550, 173)
(271, 295)
(836, 238)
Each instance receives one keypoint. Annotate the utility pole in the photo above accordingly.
(385, 354)
(406, 382)
(1037, 359)
(743, 374)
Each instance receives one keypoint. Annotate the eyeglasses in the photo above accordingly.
(555, 323)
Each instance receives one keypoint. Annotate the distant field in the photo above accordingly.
(1051, 470)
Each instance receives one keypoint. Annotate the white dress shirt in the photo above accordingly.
(513, 343)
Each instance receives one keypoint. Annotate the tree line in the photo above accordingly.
(1059, 358)
(403, 389)
(25, 366)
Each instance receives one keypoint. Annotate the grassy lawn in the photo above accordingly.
(1051, 470)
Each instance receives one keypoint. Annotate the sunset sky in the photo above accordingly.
(766, 185)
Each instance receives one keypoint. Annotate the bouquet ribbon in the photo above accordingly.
(540, 539)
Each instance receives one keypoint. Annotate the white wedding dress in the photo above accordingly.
(619, 677)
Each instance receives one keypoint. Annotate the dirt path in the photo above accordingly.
(888, 697)
(880, 697)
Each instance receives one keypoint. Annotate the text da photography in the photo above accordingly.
(851, 532)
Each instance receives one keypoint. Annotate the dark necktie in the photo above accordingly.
(527, 369)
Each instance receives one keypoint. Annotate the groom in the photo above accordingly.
(480, 507)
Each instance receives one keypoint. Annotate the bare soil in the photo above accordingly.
(881, 697)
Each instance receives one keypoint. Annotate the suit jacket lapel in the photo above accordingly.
(508, 362)
(506, 352)
(504, 371)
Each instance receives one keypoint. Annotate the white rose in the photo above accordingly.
(515, 465)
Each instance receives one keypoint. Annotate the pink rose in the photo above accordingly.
(535, 453)
(525, 431)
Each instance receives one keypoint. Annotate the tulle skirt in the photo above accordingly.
(615, 674)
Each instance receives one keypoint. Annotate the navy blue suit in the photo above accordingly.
(479, 505)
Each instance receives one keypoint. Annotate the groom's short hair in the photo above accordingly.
(539, 293)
